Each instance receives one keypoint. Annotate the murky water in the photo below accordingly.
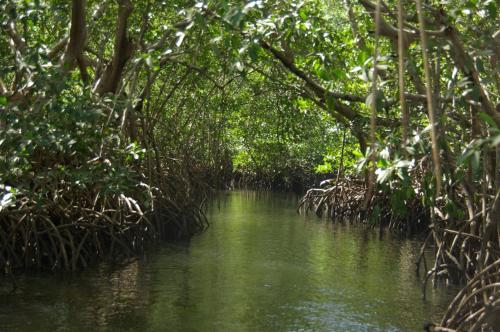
(259, 267)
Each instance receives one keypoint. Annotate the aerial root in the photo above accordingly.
(477, 306)
(344, 200)
(75, 228)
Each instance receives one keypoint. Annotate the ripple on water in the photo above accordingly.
(259, 267)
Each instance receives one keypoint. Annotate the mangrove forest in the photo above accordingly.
(236, 165)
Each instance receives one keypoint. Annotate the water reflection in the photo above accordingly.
(260, 267)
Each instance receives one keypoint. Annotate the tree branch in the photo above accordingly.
(122, 51)
(386, 29)
(78, 32)
(16, 39)
(321, 92)
(465, 63)
(58, 47)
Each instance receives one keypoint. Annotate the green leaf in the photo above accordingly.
(403, 164)
(180, 38)
(302, 14)
(488, 119)
(253, 51)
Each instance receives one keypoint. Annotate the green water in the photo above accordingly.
(259, 267)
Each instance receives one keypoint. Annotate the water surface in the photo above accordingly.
(259, 267)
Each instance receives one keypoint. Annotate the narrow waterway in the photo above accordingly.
(259, 267)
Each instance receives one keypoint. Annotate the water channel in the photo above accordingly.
(259, 267)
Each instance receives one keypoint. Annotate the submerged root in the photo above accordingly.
(344, 200)
(70, 229)
(465, 251)
(477, 305)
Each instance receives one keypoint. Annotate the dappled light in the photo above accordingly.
(122, 120)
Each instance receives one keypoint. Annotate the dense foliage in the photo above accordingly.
(117, 117)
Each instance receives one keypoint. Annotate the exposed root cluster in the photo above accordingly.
(465, 251)
(72, 228)
(344, 200)
(477, 305)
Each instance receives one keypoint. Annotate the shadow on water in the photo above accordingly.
(259, 267)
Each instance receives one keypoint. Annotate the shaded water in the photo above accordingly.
(259, 267)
